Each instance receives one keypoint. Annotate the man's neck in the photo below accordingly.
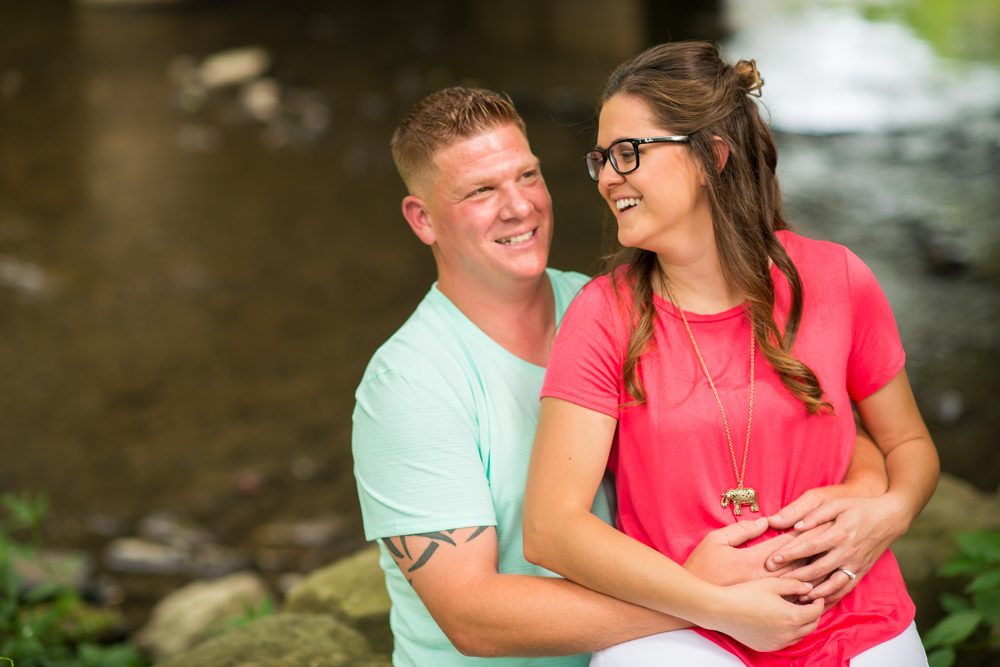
(521, 318)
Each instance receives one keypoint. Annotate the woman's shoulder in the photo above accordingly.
(806, 250)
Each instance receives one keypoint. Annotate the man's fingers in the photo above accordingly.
(806, 545)
(736, 534)
(795, 511)
(806, 513)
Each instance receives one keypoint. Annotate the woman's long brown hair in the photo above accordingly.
(690, 90)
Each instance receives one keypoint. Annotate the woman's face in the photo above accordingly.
(666, 195)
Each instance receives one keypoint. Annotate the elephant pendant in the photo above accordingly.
(740, 496)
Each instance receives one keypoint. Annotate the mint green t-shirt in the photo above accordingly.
(443, 427)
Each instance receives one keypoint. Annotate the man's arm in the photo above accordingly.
(488, 614)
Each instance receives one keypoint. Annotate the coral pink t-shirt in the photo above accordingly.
(670, 456)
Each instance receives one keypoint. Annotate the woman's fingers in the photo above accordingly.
(738, 533)
(833, 585)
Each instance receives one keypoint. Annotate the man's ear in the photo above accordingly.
(721, 152)
(415, 212)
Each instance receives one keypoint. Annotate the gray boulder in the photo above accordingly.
(197, 611)
(353, 590)
(285, 640)
(957, 506)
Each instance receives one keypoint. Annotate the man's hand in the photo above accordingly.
(718, 560)
(861, 530)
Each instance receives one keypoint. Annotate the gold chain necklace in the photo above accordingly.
(740, 495)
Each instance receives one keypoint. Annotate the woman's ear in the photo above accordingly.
(416, 213)
(721, 152)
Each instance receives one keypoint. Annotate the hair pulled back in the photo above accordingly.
(689, 89)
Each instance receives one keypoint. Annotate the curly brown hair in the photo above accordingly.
(690, 89)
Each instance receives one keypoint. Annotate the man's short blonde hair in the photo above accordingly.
(441, 119)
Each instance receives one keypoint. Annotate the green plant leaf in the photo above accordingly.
(988, 604)
(952, 629)
(962, 563)
(943, 657)
(984, 581)
(983, 544)
(952, 603)
(44, 591)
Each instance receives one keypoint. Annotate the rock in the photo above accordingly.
(261, 99)
(65, 568)
(214, 561)
(233, 66)
(130, 554)
(957, 506)
(197, 611)
(285, 640)
(22, 276)
(315, 533)
(170, 529)
(353, 590)
(104, 525)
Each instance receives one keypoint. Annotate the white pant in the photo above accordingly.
(684, 648)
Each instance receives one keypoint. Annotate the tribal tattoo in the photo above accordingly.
(405, 560)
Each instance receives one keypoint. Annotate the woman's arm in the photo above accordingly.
(865, 527)
(567, 463)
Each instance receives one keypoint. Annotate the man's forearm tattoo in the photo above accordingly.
(436, 539)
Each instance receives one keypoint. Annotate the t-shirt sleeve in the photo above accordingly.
(585, 366)
(876, 351)
(417, 460)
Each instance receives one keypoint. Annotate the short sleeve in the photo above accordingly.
(876, 350)
(417, 460)
(585, 366)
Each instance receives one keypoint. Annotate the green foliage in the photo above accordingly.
(970, 619)
(251, 613)
(50, 626)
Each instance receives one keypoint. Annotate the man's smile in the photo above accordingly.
(514, 240)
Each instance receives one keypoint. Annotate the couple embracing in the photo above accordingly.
(714, 371)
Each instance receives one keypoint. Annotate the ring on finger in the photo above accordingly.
(848, 573)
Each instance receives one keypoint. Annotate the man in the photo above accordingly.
(446, 411)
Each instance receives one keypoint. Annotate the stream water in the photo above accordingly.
(191, 285)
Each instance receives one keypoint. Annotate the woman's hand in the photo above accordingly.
(757, 614)
(718, 560)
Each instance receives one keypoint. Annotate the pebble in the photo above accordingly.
(130, 554)
(249, 484)
(233, 66)
(104, 525)
(66, 568)
(214, 561)
(950, 406)
(313, 533)
(170, 529)
(261, 99)
(303, 468)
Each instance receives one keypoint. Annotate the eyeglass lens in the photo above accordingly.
(623, 159)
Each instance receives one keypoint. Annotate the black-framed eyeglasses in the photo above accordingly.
(624, 154)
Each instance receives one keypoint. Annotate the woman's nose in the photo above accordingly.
(608, 176)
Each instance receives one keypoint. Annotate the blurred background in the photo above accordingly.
(201, 244)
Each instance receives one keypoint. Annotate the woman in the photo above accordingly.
(714, 370)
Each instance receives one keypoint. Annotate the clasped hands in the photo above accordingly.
(827, 533)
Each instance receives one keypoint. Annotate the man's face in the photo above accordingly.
(488, 210)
